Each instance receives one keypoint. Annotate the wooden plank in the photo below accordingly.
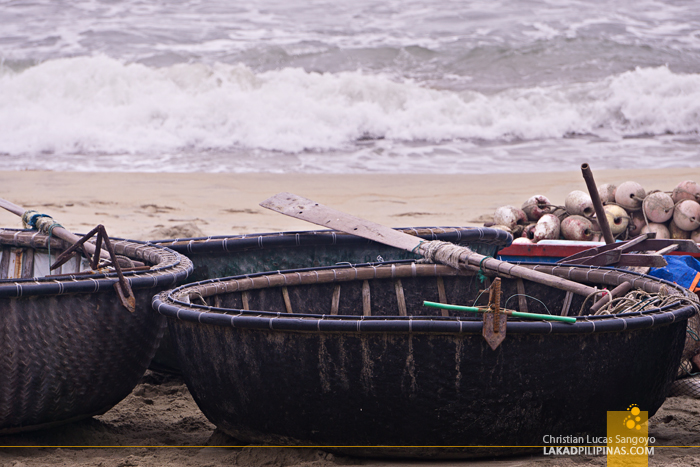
(650, 261)
(522, 300)
(685, 246)
(620, 246)
(400, 297)
(605, 258)
(4, 263)
(15, 269)
(28, 264)
(667, 250)
(442, 294)
(335, 302)
(287, 302)
(366, 301)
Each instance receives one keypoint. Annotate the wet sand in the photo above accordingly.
(153, 424)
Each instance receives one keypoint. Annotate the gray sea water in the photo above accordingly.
(414, 86)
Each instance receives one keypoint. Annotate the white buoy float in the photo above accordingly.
(577, 228)
(618, 219)
(529, 231)
(510, 216)
(606, 192)
(676, 232)
(695, 236)
(547, 228)
(579, 203)
(636, 223)
(629, 195)
(687, 189)
(660, 230)
(658, 207)
(686, 215)
(536, 207)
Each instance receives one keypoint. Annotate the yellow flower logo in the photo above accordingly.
(633, 421)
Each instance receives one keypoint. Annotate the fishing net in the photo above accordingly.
(688, 382)
(687, 386)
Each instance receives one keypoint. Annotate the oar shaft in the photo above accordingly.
(515, 270)
(58, 231)
(12, 207)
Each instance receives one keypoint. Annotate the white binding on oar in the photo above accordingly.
(310, 211)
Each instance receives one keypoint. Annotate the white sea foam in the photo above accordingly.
(102, 105)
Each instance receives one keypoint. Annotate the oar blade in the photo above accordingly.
(311, 211)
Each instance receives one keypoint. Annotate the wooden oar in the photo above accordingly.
(310, 211)
(58, 231)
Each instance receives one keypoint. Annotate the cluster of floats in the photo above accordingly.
(365, 340)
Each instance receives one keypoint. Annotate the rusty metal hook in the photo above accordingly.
(123, 288)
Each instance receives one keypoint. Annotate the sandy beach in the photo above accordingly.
(152, 426)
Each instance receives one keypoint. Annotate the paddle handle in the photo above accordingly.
(523, 272)
(60, 232)
(517, 314)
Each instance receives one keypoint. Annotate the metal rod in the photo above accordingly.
(597, 204)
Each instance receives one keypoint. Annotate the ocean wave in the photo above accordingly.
(103, 105)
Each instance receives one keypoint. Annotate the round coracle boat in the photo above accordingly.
(246, 254)
(349, 358)
(71, 347)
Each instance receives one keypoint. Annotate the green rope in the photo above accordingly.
(478, 297)
(693, 334)
(480, 275)
(414, 251)
(50, 229)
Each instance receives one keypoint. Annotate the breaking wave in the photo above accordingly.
(102, 105)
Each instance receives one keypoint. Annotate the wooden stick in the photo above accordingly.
(522, 300)
(567, 304)
(305, 209)
(442, 294)
(287, 301)
(366, 300)
(400, 299)
(335, 302)
(60, 232)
